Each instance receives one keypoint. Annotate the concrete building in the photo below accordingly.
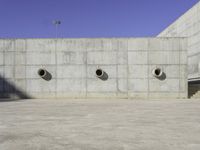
(114, 67)
(188, 25)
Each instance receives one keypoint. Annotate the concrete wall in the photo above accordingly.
(188, 25)
(72, 64)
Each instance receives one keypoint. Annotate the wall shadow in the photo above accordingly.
(162, 77)
(9, 92)
(44, 74)
(104, 77)
(48, 76)
(193, 88)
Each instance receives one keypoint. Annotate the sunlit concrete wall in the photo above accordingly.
(72, 64)
(188, 25)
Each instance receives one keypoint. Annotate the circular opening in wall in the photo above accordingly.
(157, 72)
(41, 72)
(99, 72)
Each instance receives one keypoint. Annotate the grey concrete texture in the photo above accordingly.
(72, 63)
(100, 125)
(188, 25)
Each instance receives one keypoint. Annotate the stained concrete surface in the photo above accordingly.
(188, 25)
(72, 65)
(100, 124)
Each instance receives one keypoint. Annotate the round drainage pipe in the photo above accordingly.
(42, 72)
(99, 73)
(157, 72)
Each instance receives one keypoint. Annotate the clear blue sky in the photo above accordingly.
(88, 18)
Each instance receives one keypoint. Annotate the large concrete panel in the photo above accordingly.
(102, 58)
(7, 45)
(9, 58)
(122, 57)
(40, 86)
(137, 57)
(8, 72)
(20, 84)
(138, 44)
(138, 85)
(122, 85)
(40, 45)
(166, 44)
(168, 85)
(1, 58)
(20, 45)
(69, 85)
(97, 85)
(120, 44)
(70, 57)
(20, 58)
(20, 72)
(71, 65)
(71, 45)
(99, 44)
(138, 71)
(39, 58)
(122, 71)
(71, 71)
(165, 57)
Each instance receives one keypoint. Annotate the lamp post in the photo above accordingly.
(56, 23)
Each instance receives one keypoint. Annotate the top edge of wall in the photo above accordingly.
(93, 38)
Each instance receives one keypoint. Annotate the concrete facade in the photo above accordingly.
(72, 65)
(188, 25)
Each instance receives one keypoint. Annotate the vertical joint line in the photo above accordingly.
(14, 65)
(117, 76)
(127, 68)
(3, 89)
(86, 70)
(148, 66)
(25, 65)
(179, 69)
(56, 64)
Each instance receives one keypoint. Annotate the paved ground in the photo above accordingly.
(100, 124)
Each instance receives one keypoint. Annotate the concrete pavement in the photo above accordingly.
(100, 125)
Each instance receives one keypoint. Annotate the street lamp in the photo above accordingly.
(56, 23)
